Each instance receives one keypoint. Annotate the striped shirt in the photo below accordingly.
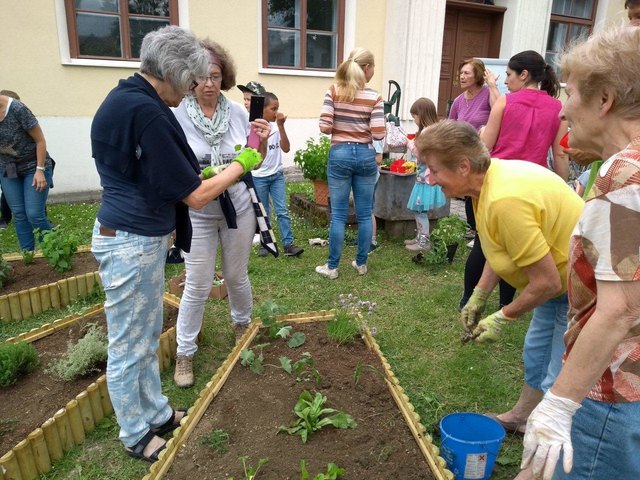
(361, 120)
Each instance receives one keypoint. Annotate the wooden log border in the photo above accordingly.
(10, 257)
(67, 428)
(430, 451)
(25, 303)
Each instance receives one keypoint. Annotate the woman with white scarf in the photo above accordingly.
(216, 129)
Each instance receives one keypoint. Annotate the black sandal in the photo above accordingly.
(137, 451)
(169, 425)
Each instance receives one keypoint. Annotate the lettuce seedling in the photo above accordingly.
(312, 416)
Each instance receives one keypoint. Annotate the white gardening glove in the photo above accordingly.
(548, 432)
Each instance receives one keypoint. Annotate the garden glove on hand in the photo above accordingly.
(548, 432)
(248, 158)
(471, 313)
(490, 328)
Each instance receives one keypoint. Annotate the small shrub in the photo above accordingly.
(58, 248)
(28, 256)
(268, 311)
(333, 472)
(343, 328)
(6, 273)
(83, 357)
(16, 360)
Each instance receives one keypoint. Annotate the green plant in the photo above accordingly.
(268, 311)
(250, 472)
(333, 472)
(218, 440)
(449, 230)
(83, 357)
(357, 372)
(6, 272)
(312, 416)
(303, 368)
(58, 248)
(313, 159)
(249, 359)
(343, 328)
(28, 256)
(16, 359)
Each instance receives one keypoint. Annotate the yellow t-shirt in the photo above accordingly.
(524, 212)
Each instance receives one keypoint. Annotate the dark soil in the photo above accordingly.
(251, 407)
(41, 273)
(36, 397)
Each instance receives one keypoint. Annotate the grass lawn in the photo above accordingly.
(416, 319)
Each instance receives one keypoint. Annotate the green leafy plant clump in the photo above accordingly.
(28, 256)
(449, 231)
(343, 328)
(312, 416)
(313, 159)
(58, 248)
(83, 357)
(6, 273)
(333, 472)
(16, 360)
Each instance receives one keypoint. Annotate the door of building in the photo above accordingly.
(470, 30)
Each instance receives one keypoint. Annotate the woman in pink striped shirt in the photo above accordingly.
(353, 115)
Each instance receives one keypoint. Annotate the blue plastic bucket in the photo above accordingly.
(470, 444)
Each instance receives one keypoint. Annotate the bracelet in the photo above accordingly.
(39, 168)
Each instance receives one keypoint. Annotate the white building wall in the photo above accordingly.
(525, 27)
(413, 49)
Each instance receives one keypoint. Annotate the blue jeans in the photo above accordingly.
(351, 166)
(274, 185)
(27, 205)
(606, 442)
(132, 274)
(544, 344)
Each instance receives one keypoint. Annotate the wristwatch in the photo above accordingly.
(40, 168)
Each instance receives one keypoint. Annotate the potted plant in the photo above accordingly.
(445, 238)
(313, 160)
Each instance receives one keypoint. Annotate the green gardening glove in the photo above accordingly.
(489, 329)
(472, 312)
(248, 158)
(210, 171)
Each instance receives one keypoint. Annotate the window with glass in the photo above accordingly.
(570, 20)
(114, 29)
(302, 34)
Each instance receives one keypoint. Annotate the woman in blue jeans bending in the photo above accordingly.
(353, 115)
(25, 169)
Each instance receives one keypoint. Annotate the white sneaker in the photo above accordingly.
(256, 240)
(361, 269)
(325, 271)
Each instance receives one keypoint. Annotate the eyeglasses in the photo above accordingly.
(211, 78)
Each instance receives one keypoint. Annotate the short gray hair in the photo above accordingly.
(608, 58)
(175, 55)
(450, 141)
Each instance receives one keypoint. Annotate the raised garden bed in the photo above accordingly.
(37, 287)
(35, 398)
(388, 441)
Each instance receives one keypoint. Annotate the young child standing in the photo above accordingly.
(424, 197)
(269, 178)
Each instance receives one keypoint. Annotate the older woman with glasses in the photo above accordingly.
(150, 177)
(590, 416)
(524, 214)
(216, 128)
